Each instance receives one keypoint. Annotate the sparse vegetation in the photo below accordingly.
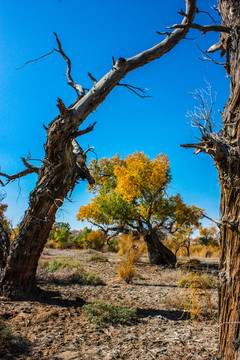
(97, 257)
(196, 300)
(103, 311)
(70, 270)
(197, 281)
(130, 251)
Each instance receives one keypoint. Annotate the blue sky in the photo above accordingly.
(91, 33)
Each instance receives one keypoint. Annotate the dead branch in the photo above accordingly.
(35, 60)
(216, 47)
(85, 131)
(30, 166)
(218, 223)
(203, 28)
(137, 90)
(78, 88)
(207, 13)
(207, 57)
(17, 175)
(92, 78)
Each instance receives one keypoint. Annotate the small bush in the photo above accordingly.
(70, 270)
(97, 257)
(197, 298)
(126, 271)
(60, 263)
(130, 251)
(197, 281)
(83, 277)
(102, 311)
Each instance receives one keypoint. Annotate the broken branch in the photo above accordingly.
(78, 88)
(85, 131)
(204, 29)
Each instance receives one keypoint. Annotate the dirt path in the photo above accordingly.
(53, 327)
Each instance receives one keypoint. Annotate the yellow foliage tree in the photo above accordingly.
(130, 196)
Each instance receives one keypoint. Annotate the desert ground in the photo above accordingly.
(52, 326)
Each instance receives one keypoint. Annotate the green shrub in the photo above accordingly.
(60, 263)
(72, 271)
(97, 257)
(83, 277)
(102, 311)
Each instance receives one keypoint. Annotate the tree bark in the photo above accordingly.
(229, 175)
(58, 176)
(157, 252)
(4, 247)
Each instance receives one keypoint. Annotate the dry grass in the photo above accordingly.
(130, 251)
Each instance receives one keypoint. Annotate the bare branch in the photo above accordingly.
(113, 61)
(92, 78)
(78, 88)
(163, 33)
(207, 13)
(216, 47)
(29, 166)
(208, 57)
(204, 29)
(17, 175)
(85, 131)
(137, 90)
(218, 223)
(35, 60)
(62, 108)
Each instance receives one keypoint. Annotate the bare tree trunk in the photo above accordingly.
(56, 179)
(229, 175)
(157, 252)
(224, 148)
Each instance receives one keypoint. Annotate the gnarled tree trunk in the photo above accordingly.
(229, 175)
(224, 148)
(157, 252)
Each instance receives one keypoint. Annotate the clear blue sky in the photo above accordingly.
(91, 32)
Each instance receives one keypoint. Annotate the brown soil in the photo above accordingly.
(52, 327)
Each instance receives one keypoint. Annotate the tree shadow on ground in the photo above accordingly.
(14, 347)
(174, 315)
(157, 285)
(50, 297)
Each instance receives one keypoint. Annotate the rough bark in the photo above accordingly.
(157, 252)
(62, 167)
(224, 148)
(4, 247)
(229, 175)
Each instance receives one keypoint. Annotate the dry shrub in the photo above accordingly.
(201, 251)
(206, 251)
(130, 251)
(197, 298)
(97, 258)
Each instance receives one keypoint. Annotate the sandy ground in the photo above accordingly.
(52, 327)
